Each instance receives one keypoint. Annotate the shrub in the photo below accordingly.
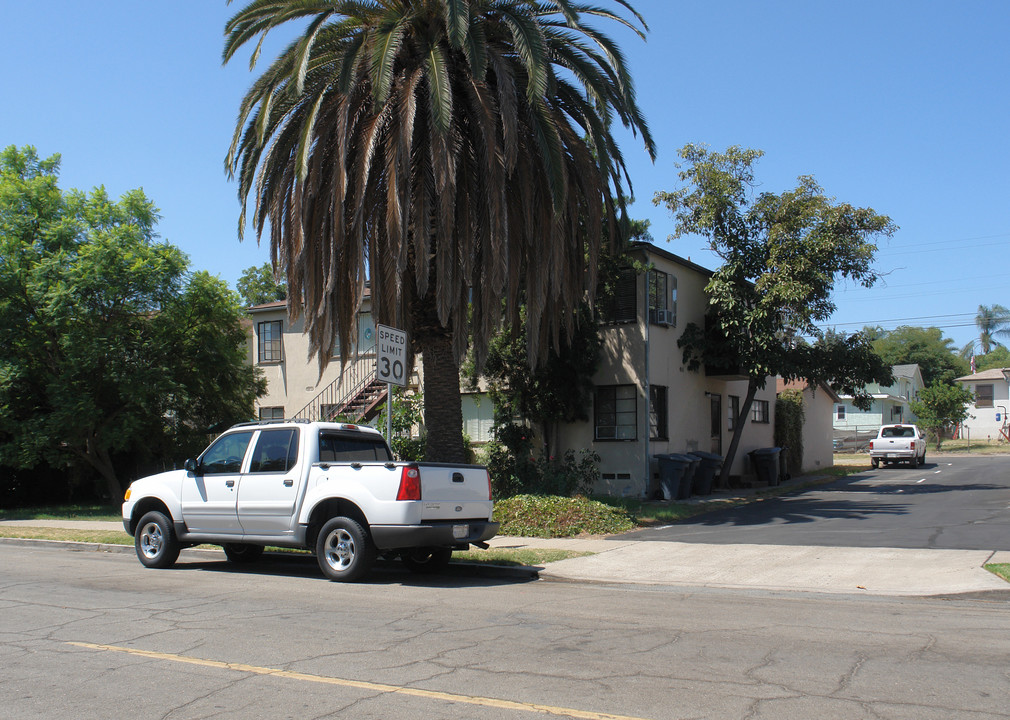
(789, 414)
(551, 516)
(514, 470)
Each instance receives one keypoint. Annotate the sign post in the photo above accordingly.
(390, 366)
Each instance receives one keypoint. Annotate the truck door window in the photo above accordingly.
(337, 447)
(225, 454)
(276, 451)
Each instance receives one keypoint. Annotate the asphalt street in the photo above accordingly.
(954, 503)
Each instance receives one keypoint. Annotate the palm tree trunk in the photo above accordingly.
(443, 406)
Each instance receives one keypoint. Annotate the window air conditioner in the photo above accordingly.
(661, 317)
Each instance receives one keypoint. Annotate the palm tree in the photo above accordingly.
(452, 153)
(992, 321)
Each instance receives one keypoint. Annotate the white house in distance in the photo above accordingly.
(988, 414)
(646, 402)
(891, 404)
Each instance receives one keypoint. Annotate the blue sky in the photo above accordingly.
(897, 105)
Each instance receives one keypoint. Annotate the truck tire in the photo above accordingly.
(242, 553)
(874, 463)
(344, 550)
(914, 462)
(155, 541)
(426, 561)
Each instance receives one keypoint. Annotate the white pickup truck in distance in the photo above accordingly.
(329, 487)
(898, 443)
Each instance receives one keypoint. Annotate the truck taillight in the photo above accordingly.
(489, 485)
(911, 445)
(410, 483)
(871, 444)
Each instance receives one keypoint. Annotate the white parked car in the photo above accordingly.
(898, 443)
(329, 487)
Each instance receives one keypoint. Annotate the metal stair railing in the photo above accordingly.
(357, 375)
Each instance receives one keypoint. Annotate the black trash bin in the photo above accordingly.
(766, 464)
(709, 464)
(672, 469)
(691, 474)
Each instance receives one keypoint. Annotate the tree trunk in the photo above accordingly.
(443, 406)
(740, 423)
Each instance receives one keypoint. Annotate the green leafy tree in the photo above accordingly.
(258, 285)
(781, 256)
(451, 152)
(110, 351)
(925, 347)
(941, 406)
(998, 357)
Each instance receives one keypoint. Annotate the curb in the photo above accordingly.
(517, 572)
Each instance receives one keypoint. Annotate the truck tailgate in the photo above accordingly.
(445, 488)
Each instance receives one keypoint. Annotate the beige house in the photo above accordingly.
(818, 413)
(646, 402)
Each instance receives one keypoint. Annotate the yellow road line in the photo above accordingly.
(361, 685)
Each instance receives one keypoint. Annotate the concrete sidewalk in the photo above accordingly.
(871, 571)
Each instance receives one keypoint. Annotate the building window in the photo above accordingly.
(366, 338)
(732, 412)
(478, 417)
(840, 413)
(271, 413)
(621, 306)
(269, 334)
(897, 412)
(984, 396)
(616, 410)
(662, 298)
(760, 412)
(658, 415)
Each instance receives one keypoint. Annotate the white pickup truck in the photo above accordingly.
(898, 443)
(328, 487)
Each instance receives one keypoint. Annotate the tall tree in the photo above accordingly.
(109, 349)
(258, 285)
(926, 347)
(992, 321)
(942, 405)
(452, 153)
(781, 256)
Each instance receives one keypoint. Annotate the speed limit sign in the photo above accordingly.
(391, 355)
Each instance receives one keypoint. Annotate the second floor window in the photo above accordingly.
(269, 334)
(621, 305)
(662, 298)
(760, 412)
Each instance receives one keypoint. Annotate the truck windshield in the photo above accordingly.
(352, 447)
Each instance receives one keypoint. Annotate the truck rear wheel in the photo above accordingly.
(344, 550)
(155, 541)
(426, 561)
(874, 463)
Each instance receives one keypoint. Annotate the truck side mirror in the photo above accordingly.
(191, 466)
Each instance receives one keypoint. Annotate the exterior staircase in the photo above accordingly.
(356, 395)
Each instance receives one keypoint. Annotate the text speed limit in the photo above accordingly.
(391, 355)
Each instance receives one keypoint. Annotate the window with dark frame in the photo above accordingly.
(984, 396)
(760, 412)
(269, 338)
(658, 413)
(616, 412)
(733, 412)
(271, 413)
(622, 305)
(840, 412)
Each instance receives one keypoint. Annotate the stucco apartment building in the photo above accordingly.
(646, 402)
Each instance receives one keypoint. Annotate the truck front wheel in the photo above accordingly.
(344, 550)
(426, 561)
(155, 541)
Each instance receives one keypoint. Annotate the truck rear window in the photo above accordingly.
(352, 447)
(897, 432)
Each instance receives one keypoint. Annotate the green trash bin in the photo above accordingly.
(708, 465)
(672, 469)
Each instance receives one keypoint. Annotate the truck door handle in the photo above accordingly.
(457, 477)
(288, 482)
(229, 483)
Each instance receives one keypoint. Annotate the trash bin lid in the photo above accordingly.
(765, 451)
(705, 455)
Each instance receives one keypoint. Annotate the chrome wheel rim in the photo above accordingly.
(339, 550)
(151, 540)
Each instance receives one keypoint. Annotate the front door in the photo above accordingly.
(209, 496)
(716, 410)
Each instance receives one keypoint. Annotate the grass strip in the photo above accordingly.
(1001, 570)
